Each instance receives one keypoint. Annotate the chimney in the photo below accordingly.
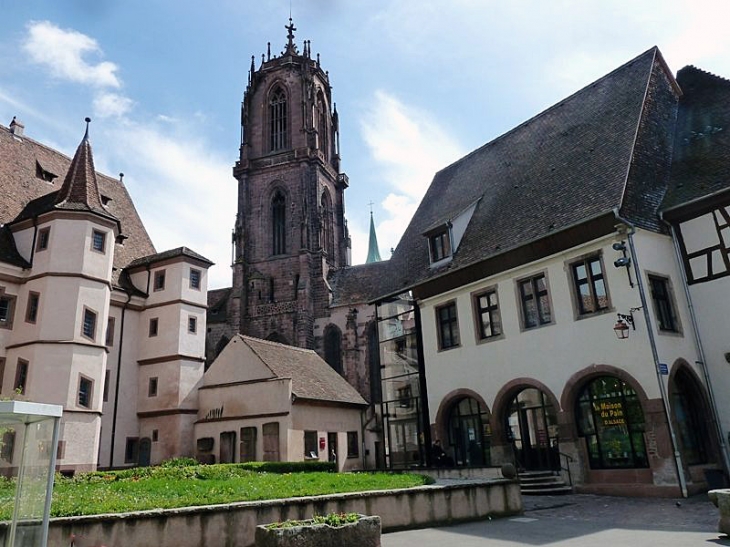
(16, 128)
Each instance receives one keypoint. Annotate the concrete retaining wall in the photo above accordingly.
(234, 525)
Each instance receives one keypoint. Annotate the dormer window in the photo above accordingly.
(439, 244)
(44, 174)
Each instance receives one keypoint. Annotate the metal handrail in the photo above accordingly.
(568, 459)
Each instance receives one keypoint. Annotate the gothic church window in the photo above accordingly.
(278, 224)
(333, 347)
(322, 125)
(327, 238)
(278, 120)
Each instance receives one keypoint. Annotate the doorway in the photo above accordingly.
(532, 429)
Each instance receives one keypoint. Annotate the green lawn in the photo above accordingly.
(184, 486)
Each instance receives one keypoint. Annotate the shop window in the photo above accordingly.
(611, 421)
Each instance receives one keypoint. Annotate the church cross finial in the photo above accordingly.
(290, 47)
(371, 207)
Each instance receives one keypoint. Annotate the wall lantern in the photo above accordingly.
(621, 328)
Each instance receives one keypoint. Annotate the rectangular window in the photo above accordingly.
(486, 308)
(448, 326)
(440, 245)
(86, 387)
(7, 307)
(109, 340)
(61, 450)
(589, 285)
(31, 312)
(2, 373)
(159, 280)
(131, 450)
(155, 435)
(154, 323)
(21, 377)
(44, 236)
(663, 304)
(353, 446)
(405, 397)
(192, 324)
(535, 301)
(194, 278)
(107, 375)
(88, 329)
(152, 387)
(98, 241)
(310, 444)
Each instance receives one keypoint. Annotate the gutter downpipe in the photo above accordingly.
(655, 353)
(700, 350)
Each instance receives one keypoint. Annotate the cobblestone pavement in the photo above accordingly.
(583, 520)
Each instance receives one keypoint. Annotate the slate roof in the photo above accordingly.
(358, 284)
(701, 165)
(575, 161)
(23, 161)
(218, 305)
(312, 378)
(166, 255)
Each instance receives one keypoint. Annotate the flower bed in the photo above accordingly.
(331, 530)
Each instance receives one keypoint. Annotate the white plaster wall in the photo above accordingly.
(69, 248)
(712, 305)
(267, 397)
(552, 353)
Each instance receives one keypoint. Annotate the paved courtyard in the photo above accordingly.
(582, 520)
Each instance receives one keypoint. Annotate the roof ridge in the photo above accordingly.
(504, 135)
(705, 72)
(272, 343)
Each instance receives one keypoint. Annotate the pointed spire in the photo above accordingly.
(80, 189)
(373, 252)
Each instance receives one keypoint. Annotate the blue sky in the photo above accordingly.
(418, 84)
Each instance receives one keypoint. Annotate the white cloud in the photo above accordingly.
(183, 191)
(112, 105)
(62, 52)
(408, 146)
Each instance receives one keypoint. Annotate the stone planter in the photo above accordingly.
(363, 533)
(721, 499)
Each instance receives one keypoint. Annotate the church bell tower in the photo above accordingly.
(290, 227)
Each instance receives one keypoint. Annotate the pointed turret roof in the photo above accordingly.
(373, 251)
(79, 191)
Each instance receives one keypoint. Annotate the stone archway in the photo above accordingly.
(527, 425)
(463, 431)
(690, 409)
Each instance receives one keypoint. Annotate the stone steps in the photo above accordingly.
(543, 483)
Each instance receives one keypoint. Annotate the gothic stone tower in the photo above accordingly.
(290, 228)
